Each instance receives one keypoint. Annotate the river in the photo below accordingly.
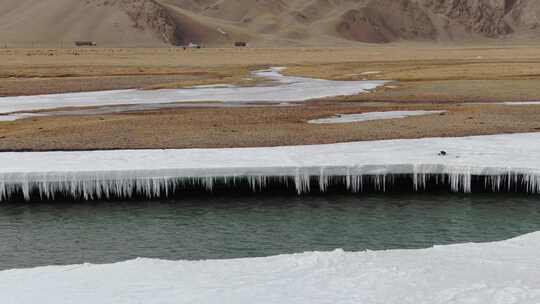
(233, 226)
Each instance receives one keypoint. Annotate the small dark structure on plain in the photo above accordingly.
(240, 44)
(192, 45)
(85, 43)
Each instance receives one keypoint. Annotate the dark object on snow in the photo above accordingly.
(85, 43)
(442, 153)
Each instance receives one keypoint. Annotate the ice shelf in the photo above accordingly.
(501, 272)
(493, 163)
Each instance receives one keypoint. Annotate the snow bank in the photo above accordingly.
(501, 272)
(501, 163)
(286, 89)
(368, 116)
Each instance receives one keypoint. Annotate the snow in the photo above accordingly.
(17, 116)
(504, 162)
(217, 85)
(221, 31)
(503, 272)
(368, 116)
(371, 72)
(522, 103)
(286, 89)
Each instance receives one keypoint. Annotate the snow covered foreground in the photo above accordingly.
(504, 272)
(503, 161)
(284, 89)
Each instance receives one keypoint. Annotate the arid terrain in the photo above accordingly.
(267, 23)
(469, 82)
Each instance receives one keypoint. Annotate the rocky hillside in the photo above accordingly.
(264, 22)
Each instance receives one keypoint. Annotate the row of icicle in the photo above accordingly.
(158, 187)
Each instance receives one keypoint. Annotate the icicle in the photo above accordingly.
(323, 181)
(89, 186)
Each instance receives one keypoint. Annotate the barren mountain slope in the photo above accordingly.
(110, 22)
(263, 22)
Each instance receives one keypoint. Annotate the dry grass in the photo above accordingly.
(442, 73)
(269, 126)
(429, 78)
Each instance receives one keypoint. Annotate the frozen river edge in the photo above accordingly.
(493, 163)
(498, 272)
(281, 89)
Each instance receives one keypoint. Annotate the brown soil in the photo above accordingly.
(427, 78)
(244, 127)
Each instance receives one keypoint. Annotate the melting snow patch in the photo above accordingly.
(522, 103)
(371, 72)
(499, 272)
(494, 163)
(348, 118)
(17, 116)
(288, 89)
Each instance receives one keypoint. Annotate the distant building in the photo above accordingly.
(192, 45)
(85, 43)
(240, 44)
